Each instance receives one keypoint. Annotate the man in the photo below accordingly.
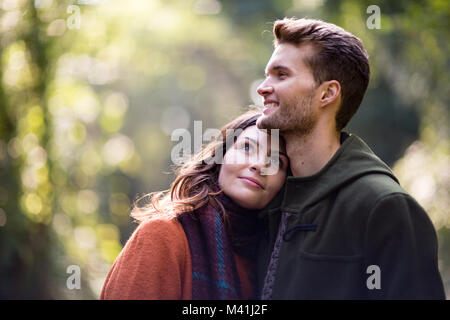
(342, 227)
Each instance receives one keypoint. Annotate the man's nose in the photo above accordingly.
(264, 89)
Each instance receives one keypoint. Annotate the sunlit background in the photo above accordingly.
(90, 92)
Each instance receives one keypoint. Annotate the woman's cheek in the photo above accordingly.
(237, 158)
(278, 180)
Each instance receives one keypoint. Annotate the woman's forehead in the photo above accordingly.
(262, 136)
(254, 133)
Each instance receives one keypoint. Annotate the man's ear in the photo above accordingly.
(331, 91)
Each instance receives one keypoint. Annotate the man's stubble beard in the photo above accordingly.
(297, 118)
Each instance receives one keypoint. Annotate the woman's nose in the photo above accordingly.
(259, 163)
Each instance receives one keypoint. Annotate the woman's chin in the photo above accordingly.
(251, 206)
(247, 202)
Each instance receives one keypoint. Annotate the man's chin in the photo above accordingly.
(265, 122)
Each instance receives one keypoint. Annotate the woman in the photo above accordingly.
(198, 240)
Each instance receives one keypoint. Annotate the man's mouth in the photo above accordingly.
(269, 107)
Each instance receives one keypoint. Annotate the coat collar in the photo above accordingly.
(351, 161)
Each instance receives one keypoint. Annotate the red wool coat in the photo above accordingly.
(155, 264)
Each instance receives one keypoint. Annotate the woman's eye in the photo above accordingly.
(246, 147)
(276, 161)
(273, 160)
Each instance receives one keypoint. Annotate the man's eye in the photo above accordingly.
(282, 74)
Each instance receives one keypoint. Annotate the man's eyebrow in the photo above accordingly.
(277, 67)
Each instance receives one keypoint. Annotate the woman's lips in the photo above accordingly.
(252, 182)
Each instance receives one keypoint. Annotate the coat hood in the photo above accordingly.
(351, 161)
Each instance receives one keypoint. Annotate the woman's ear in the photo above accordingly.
(330, 93)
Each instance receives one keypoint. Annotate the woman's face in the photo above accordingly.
(240, 175)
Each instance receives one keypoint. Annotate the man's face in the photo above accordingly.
(288, 91)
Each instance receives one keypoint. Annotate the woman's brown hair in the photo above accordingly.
(197, 180)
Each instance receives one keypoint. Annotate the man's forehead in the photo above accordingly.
(289, 56)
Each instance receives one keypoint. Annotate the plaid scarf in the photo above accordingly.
(214, 272)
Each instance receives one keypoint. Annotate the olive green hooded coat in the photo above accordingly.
(349, 231)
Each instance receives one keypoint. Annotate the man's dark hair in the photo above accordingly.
(340, 56)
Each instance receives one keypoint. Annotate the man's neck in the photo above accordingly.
(309, 154)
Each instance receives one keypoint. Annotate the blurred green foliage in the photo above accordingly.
(88, 103)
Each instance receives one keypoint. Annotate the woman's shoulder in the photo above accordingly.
(158, 239)
(159, 225)
(140, 271)
(159, 230)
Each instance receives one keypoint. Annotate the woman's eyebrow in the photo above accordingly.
(278, 152)
(252, 140)
(268, 151)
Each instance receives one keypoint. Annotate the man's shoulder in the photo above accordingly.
(376, 200)
(362, 195)
(375, 185)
